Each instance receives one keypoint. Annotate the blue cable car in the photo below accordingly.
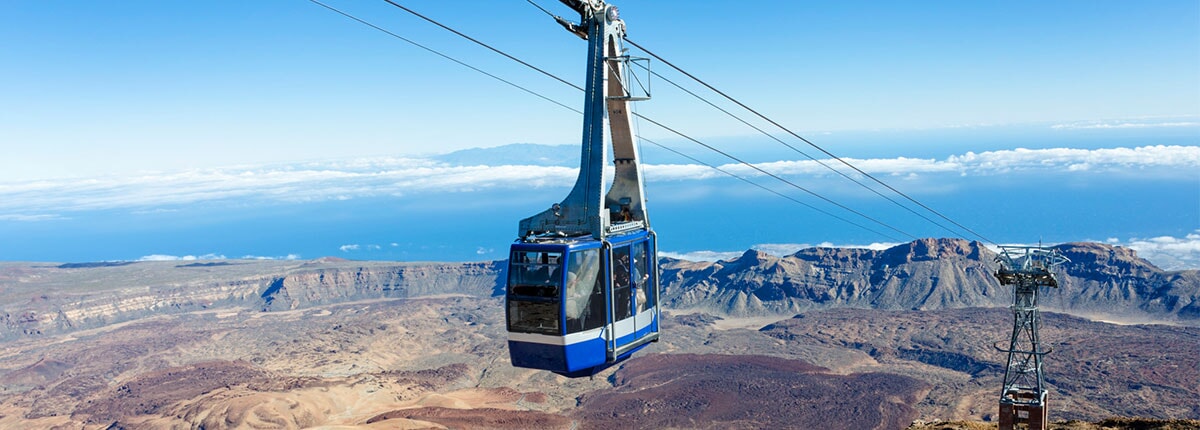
(582, 288)
(563, 316)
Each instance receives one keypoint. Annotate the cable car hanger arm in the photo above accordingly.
(607, 129)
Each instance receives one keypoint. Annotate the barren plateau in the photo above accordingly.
(758, 342)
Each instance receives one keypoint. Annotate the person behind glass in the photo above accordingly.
(639, 286)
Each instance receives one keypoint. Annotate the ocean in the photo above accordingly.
(1118, 200)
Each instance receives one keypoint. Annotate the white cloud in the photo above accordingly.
(701, 255)
(213, 256)
(154, 192)
(1020, 159)
(348, 248)
(987, 163)
(780, 249)
(153, 211)
(262, 257)
(31, 218)
(1124, 125)
(1167, 252)
(162, 257)
(776, 249)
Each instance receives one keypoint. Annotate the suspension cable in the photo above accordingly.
(435, 52)
(740, 178)
(711, 148)
(789, 131)
(776, 177)
(822, 163)
(447, 28)
(843, 174)
(542, 8)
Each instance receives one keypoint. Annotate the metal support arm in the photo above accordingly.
(607, 126)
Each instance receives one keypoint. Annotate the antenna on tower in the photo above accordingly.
(1023, 397)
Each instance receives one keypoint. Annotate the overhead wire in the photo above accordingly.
(436, 52)
(757, 168)
(776, 177)
(873, 190)
(772, 175)
(447, 28)
(542, 8)
(814, 159)
(637, 134)
(765, 188)
(789, 131)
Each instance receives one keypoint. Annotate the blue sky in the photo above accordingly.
(150, 85)
(182, 116)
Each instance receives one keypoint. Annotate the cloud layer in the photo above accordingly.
(1126, 124)
(213, 256)
(776, 249)
(49, 200)
(1171, 253)
(1166, 252)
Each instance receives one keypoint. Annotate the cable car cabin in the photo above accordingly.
(576, 306)
(583, 282)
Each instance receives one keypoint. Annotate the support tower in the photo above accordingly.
(1023, 398)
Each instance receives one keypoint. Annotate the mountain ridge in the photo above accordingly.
(281, 344)
(927, 274)
(1101, 281)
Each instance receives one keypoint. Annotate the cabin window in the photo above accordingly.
(535, 274)
(622, 297)
(532, 317)
(644, 285)
(584, 302)
(533, 287)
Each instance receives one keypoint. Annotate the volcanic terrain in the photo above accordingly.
(825, 338)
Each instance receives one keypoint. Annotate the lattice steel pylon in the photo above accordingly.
(1023, 398)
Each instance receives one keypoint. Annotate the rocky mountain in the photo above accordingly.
(441, 362)
(1094, 368)
(515, 154)
(45, 299)
(1101, 281)
(830, 338)
(713, 391)
(314, 285)
(1113, 280)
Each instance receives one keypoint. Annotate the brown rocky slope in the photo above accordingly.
(290, 344)
(1100, 281)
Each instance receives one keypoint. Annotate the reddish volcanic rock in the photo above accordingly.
(751, 391)
(149, 393)
(482, 418)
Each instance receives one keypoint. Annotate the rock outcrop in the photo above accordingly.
(927, 274)
(342, 282)
(46, 300)
(1113, 280)
(747, 391)
(1101, 281)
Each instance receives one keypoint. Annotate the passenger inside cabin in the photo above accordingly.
(640, 279)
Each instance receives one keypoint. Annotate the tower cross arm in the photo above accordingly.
(576, 29)
(587, 9)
